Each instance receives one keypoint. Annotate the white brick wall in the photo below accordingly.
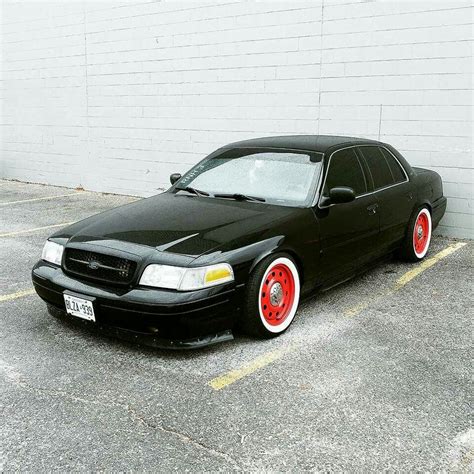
(114, 96)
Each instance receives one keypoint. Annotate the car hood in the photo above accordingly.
(177, 223)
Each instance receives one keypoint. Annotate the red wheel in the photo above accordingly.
(272, 297)
(279, 295)
(422, 233)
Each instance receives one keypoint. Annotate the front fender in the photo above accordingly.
(297, 236)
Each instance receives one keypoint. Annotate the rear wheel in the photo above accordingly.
(272, 297)
(418, 237)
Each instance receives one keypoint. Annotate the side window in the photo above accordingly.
(378, 166)
(345, 170)
(395, 168)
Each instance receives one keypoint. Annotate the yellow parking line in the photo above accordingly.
(18, 294)
(405, 278)
(263, 360)
(358, 308)
(429, 262)
(230, 377)
(44, 198)
(36, 229)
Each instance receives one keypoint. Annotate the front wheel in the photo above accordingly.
(418, 237)
(272, 297)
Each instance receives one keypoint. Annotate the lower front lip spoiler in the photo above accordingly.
(147, 339)
(160, 343)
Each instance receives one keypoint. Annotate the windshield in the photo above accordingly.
(279, 177)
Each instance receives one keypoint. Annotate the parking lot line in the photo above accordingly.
(405, 278)
(35, 229)
(44, 198)
(429, 262)
(18, 294)
(263, 360)
(230, 377)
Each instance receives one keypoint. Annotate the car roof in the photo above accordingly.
(316, 143)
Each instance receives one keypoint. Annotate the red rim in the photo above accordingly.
(421, 233)
(277, 294)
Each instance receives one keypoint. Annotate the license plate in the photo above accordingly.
(79, 307)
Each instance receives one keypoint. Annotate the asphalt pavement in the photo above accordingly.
(372, 375)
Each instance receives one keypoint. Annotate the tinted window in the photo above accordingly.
(394, 166)
(378, 166)
(345, 170)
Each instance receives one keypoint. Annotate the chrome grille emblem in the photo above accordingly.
(93, 265)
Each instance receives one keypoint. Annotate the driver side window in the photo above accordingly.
(345, 170)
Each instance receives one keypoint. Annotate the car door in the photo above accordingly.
(348, 231)
(393, 191)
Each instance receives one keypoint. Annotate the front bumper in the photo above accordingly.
(153, 317)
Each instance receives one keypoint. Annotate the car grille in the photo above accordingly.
(99, 267)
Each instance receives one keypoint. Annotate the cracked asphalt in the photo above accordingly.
(389, 387)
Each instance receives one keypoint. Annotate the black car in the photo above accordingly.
(236, 241)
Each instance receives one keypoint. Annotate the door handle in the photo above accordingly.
(372, 209)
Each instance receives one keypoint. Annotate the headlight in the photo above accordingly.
(185, 279)
(52, 252)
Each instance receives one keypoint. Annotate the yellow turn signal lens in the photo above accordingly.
(218, 274)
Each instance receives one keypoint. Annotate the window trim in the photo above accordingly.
(361, 166)
(396, 159)
(391, 171)
(323, 182)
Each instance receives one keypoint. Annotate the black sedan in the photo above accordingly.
(239, 239)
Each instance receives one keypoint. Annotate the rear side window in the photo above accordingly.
(394, 165)
(345, 170)
(378, 166)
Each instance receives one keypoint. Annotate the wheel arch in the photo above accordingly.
(276, 251)
(298, 262)
(426, 203)
(416, 208)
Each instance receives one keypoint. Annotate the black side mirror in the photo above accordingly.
(174, 177)
(341, 194)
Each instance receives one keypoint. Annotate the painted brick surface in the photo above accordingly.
(115, 96)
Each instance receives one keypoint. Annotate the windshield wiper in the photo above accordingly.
(195, 191)
(240, 197)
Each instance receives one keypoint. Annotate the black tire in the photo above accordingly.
(276, 278)
(415, 248)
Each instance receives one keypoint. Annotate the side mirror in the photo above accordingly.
(174, 177)
(341, 194)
